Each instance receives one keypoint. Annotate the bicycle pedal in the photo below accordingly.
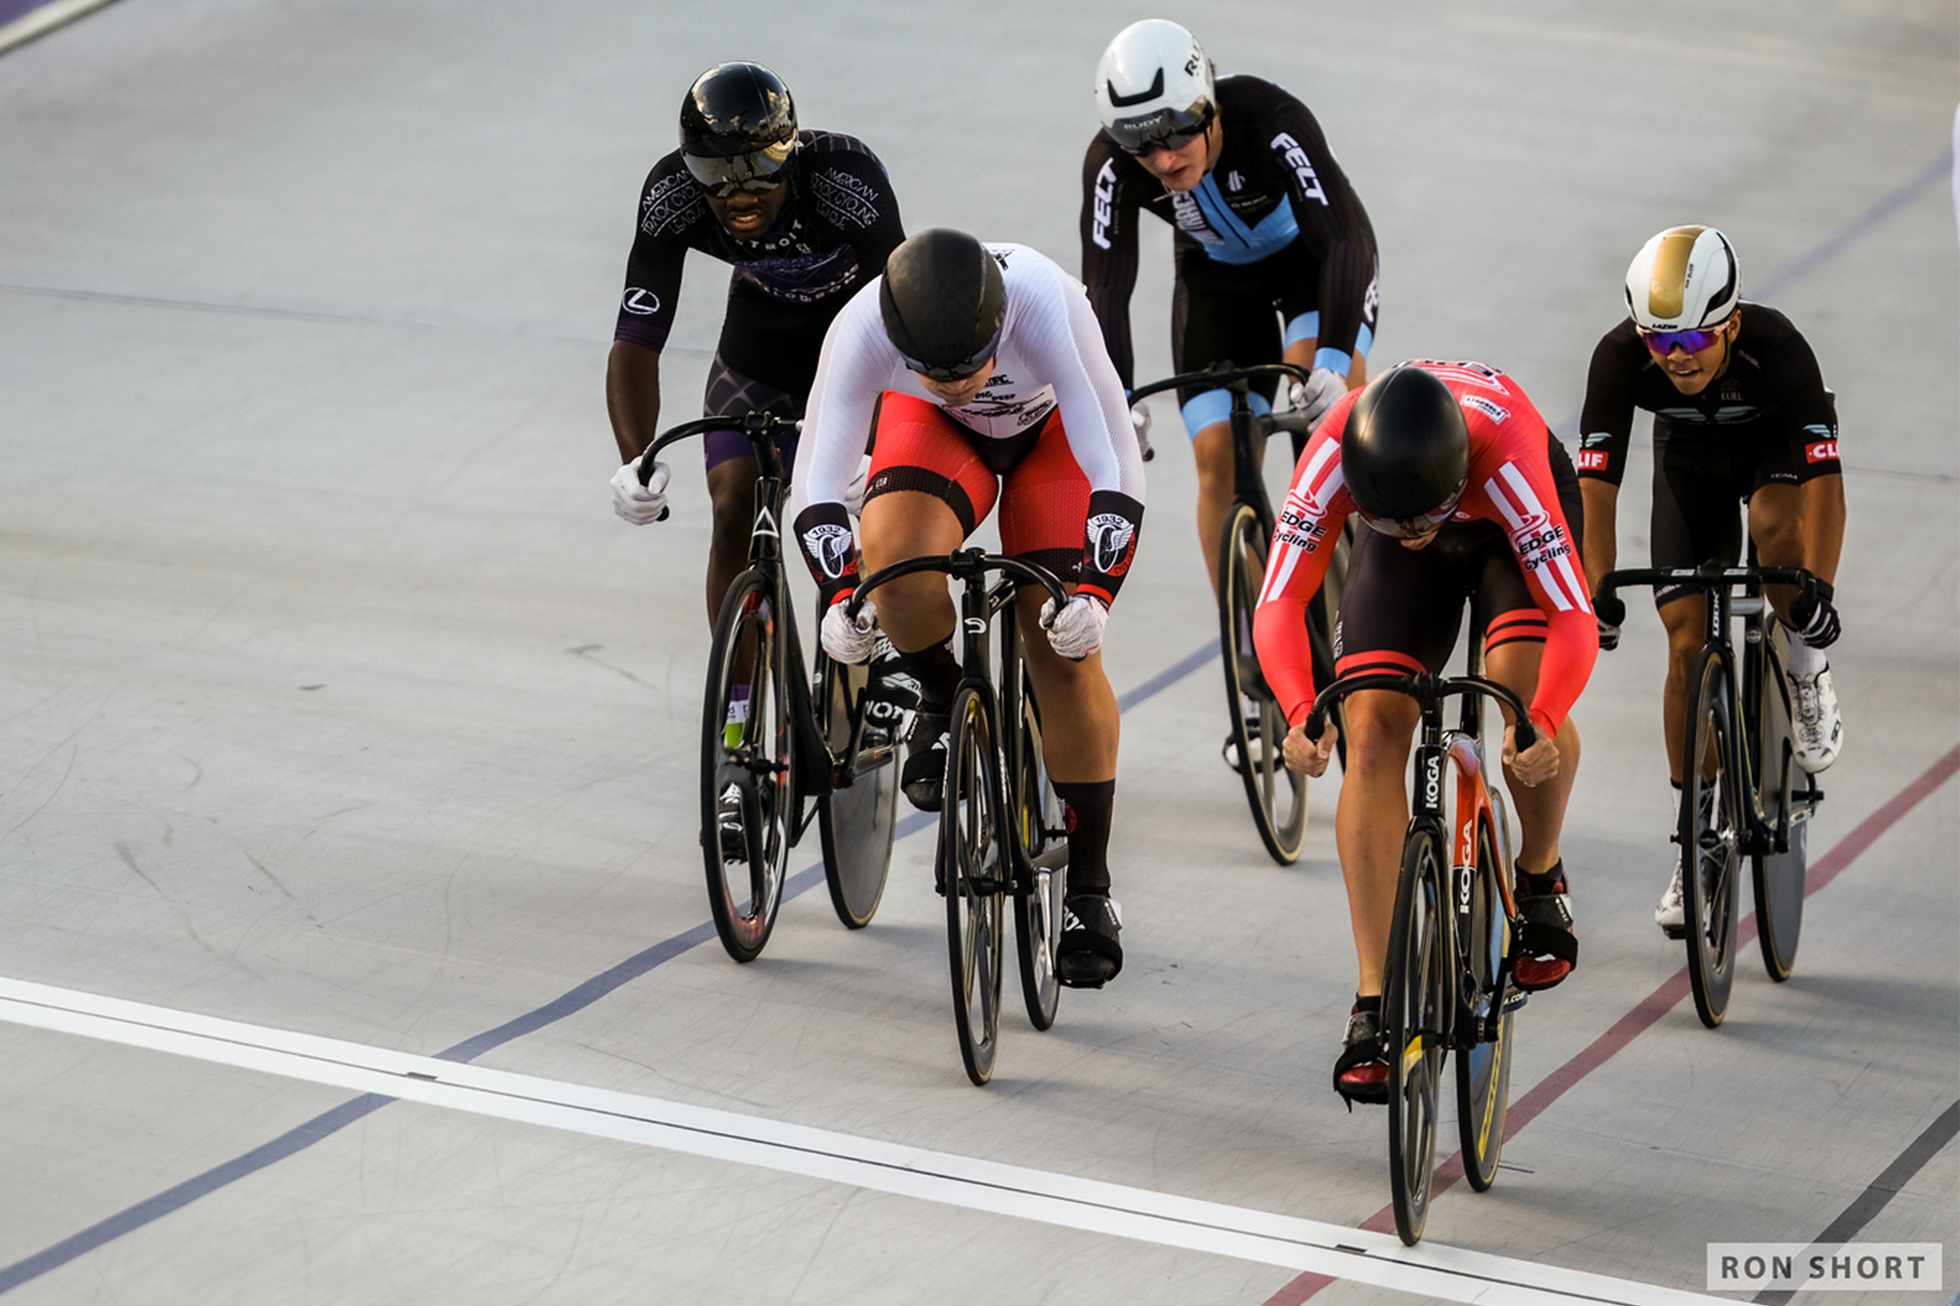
(1513, 999)
(1676, 932)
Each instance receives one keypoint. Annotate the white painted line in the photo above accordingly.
(39, 22)
(1448, 1273)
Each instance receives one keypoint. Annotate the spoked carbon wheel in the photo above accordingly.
(970, 853)
(1711, 838)
(1778, 878)
(748, 791)
(859, 806)
(1278, 797)
(1483, 1066)
(1413, 1000)
(1037, 820)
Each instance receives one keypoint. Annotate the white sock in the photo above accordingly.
(1802, 659)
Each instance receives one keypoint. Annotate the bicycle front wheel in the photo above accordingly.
(1711, 837)
(1415, 993)
(1483, 1059)
(1778, 877)
(1278, 797)
(859, 804)
(748, 790)
(1037, 819)
(973, 870)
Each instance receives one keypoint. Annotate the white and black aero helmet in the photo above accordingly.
(1684, 279)
(1154, 87)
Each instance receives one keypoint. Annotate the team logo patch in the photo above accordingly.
(832, 547)
(640, 303)
(1823, 451)
(1112, 537)
(1592, 459)
(1487, 408)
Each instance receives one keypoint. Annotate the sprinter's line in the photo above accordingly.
(1064, 1200)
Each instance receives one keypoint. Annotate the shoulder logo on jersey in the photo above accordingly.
(1823, 451)
(1112, 542)
(1486, 378)
(640, 303)
(1595, 439)
(1592, 460)
(844, 200)
(1487, 408)
(832, 547)
(1105, 204)
(672, 203)
(1296, 158)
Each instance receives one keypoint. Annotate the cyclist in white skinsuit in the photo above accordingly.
(981, 372)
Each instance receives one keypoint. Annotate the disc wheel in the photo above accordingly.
(748, 791)
(970, 834)
(1483, 1060)
(1037, 820)
(1711, 838)
(1413, 1001)
(1278, 797)
(858, 807)
(1777, 878)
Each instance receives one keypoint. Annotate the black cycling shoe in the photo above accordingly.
(1547, 948)
(889, 694)
(924, 777)
(1361, 1073)
(729, 826)
(1091, 951)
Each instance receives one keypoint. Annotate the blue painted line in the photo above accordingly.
(329, 1123)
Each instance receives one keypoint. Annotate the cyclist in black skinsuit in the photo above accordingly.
(805, 217)
(1741, 415)
(1275, 255)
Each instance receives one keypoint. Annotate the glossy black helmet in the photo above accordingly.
(1405, 454)
(943, 302)
(738, 128)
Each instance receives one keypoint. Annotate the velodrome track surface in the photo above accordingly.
(354, 948)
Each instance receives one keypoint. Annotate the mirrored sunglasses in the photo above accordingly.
(1663, 342)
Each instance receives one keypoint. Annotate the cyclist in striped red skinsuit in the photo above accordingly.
(1466, 492)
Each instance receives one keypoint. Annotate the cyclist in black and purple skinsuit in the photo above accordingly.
(806, 218)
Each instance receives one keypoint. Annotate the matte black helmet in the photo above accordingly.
(943, 302)
(1405, 454)
(738, 128)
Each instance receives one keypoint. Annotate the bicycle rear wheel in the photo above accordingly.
(1777, 877)
(1414, 996)
(748, 790)
(1711, 844)
(1483, 1059)
(972, 869)
(859, 803)
(1037, 819)
(1278, 797)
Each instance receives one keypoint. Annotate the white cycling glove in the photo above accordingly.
(1140, 422)
(1077, 630)
(638, 503)
(1323, 389)
(848, 639)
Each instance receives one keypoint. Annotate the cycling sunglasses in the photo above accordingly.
(758, 171)
(1694, 341)
(1414, 528)
(960, 371)
(1167, 129)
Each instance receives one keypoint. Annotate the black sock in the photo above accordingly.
(1373, 1002)
(1089, 807)
(937, 669)
(1543, 882)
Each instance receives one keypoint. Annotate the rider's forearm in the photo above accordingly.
(1601, 547)
(1823, 525)
(633, 397)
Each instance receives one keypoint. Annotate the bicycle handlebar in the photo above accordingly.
(1218, 375)
(966, 564)
(1707, 576)
(1424, 689)
(757, 426)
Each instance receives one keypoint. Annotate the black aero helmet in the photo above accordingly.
(1405, 454)
(943, 303)
(738, 128)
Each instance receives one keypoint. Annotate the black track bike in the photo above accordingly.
(779, 746)
(1742, 793)
(1447, 986)
(1277, 796)
(1000, 823)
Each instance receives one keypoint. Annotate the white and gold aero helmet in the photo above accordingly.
(1684, 279)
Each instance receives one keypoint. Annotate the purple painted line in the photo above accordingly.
(12, 9)
(1651, 1008)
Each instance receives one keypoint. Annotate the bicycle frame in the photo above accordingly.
(1248, 484)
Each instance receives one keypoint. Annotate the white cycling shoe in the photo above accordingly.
(1671, 915)
(1815, 721)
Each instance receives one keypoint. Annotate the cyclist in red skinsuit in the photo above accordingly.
(1505, 537)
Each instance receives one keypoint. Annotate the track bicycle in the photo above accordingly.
(1742, 793)
(1447, 984)
(778, 747)
(1277, 796)
(1000, 822)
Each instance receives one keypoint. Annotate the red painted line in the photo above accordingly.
(1655, 1005)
